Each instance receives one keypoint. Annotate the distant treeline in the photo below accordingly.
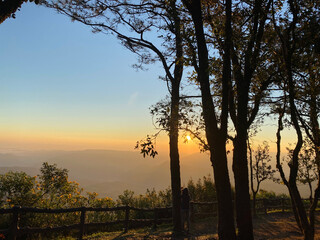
(52, 189)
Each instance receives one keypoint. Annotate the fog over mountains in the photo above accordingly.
(110, 172)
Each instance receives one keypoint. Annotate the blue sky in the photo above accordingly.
(63, 87)
(60, 83)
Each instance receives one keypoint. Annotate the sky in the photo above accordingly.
(63, 87)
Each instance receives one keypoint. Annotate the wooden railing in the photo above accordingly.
(15, 231)
(197, 210)
(200, 210)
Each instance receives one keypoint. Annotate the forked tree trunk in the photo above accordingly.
(216, 137)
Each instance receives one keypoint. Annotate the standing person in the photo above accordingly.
(185, 203)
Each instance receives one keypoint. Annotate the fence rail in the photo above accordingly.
(263, 206)
(197, 209)
(15, 231)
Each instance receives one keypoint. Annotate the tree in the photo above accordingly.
(307, 172)
(293, 30)
(260, 170)
(126, 199)
(18, 188)
(215, 127)
(204, 190)
(9, 7)
(56, 190)
(163, 19)
(252, 75)
(53, 180)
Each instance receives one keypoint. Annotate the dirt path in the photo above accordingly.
(272, 226)
(279, 226)
(276, 226)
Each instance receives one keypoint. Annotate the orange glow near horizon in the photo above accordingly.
(114, 139)
(21, 141)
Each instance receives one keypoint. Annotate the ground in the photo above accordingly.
(277, 226)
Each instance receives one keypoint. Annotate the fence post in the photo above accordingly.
(82, 222)
(155, 218)
(191, 211)
(265, 205)
(15, 223)
(126, 220)
(216, 209)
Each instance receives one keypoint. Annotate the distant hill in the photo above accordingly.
(110, 172)
(29, 170)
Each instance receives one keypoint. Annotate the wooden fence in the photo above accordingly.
(197, 210)
(15, 231)
(200, 210)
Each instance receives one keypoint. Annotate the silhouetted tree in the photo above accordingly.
(216, 127)
(162, 18)
(9, 7)
(308, 171)
(294, 26)
(260, 170)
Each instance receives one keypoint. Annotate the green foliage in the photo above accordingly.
(56, 190)
(270, 195)
(50, 189)
(151, 199)
(190, 119)
(202, 191)
(126, 199)
(307, 172)
(147, 147)
(17, 188)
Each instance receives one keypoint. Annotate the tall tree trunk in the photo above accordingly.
(316, 141)
(300, 209)
(216, 137)
(240, 169)
(174, 124)
(240, 163)
(174, 160)
(223, 188)
(279, 166)
(294, 164)
(242, 119)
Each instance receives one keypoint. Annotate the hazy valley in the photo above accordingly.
(109, 172)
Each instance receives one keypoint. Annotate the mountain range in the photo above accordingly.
(110, 172)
